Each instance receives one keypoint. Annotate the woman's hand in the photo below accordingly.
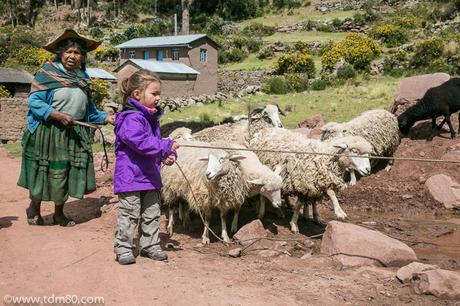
(63, 118)
(110, 119)
(169, 160)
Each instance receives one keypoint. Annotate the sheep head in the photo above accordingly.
(332, 130)
(219, 163)
(181, 133)
(270, 189)
(270, 113)
(404, 123)
(357, 151)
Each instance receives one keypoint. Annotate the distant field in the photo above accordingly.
(334, 104)
(306, 36)
(298, 15)
(252, 63)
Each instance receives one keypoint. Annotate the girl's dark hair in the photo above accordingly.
(73, 42)
(138, 80)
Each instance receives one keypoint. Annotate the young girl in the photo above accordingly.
(140, 151)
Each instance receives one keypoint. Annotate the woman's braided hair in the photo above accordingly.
(138, 80)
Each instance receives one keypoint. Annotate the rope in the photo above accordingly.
(105, 160)
(326, 154)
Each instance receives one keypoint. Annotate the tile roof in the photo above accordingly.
(99, 73)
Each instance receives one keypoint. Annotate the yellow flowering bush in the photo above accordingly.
(390, 34)
(296, 63)
(99, 90)
(356, 49)
(407, 22)
(31, 58)
(4, 93)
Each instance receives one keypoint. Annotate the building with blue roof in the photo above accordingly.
(187, 64)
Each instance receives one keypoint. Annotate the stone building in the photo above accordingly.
(17, 82)
(187, 64)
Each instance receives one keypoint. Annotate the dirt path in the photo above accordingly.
(51, 260)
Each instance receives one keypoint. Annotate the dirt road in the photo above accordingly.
(38, 261)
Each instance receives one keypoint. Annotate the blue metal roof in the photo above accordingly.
(163, 66)
(99, 73)
(161, 41)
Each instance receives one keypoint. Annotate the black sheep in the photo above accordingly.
(442, 100)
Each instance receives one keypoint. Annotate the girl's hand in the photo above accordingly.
(110, 119)
(174, 146)
(169, 160)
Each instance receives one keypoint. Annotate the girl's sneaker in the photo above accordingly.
(155, 254)
(126, 258)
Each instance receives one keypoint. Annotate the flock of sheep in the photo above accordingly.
(220, 176)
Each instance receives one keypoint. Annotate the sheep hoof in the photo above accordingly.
(352, 183)
(319, 222)
(170, 231)
(340, 215)
(205, 240)
(226, 239)
(294, 228)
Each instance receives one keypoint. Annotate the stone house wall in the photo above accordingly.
(12, 118)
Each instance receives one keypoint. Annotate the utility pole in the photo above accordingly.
(185, 16)
(175, 24)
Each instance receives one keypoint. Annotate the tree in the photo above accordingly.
(186, 16)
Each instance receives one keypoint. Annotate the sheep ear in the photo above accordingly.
(206, 158)
(278, 169)
(279, 109)
(258, 182)
(256, 110)
(341, 146)
(236, 157)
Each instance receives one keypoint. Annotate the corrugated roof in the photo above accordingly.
(8, 75)
(160, 41)
(163, 66)
(99, 73)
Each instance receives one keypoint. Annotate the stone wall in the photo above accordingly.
(237, 81)
(12, 118)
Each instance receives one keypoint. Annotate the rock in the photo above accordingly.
(441, 283)
(444, 190)
(353, 245)
(412, 89)
(452, 155)
(235, 252)
(405, 273)
(422, 154)
(269, 253)
(250, 231)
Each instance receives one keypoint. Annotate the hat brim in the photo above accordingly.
(69, 34)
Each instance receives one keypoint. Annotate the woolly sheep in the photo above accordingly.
(379, 127)
(442, 100)
(307, 176)
(219, 183)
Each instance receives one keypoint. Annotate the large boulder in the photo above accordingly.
(444, 190)
(412, 89)
(441, 283)
(353, 245)
(250, 232)
(405, 273)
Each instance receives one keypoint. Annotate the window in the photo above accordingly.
(160, 55)
(203, 55)
(132, 54)
(175, 54)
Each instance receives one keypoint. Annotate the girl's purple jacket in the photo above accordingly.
(139, 149)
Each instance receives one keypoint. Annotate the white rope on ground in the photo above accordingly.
(326, 154)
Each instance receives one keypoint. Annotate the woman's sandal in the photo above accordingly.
(35, 220)
(66, 222)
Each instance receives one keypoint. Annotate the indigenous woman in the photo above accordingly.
(57, 159)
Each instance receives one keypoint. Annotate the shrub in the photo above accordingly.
(277, 85)
(323, 27)
(99, 90)
(30, 58)
(297, 82)
(426, 52)
(117, 38)
(265, 53)
(407, 22)
(259, 29)
(346, 72)
(301, 46)
(106, 53)
(254, 44)
(359, 19)
(232, 55)
(390, 34)
(296, 63)
(4, 93)
(215, 25)
(205, 117)
(337, 23)
(319, 84)
(358, 50)
(96, 32)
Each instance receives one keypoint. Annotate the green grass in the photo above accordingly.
(306, 36)
(298, 15)
(251, 63)
(333, 104)
(13, 148)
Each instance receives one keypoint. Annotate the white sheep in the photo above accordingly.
(219, 183)
(307, 176)
(379, 127)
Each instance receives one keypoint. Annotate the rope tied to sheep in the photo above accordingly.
(105, 160)
(325, 154)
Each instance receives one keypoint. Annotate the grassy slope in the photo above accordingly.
(334, 104)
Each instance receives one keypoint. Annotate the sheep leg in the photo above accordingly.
(451, 128)
(306, 212)
(295, 203)
(459, 124)
(352, 178)
(339, 213)
(223, 221)
(181, 211)
(235, 220)
(261, 213)
(170, 227)
(205, 237)
(436, 128)
(316, 218)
